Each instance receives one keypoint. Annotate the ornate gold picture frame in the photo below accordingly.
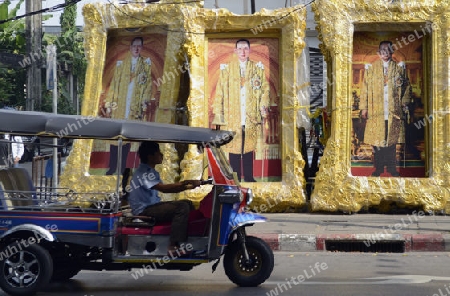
(336, 188)
(111, 28)
(284, 29)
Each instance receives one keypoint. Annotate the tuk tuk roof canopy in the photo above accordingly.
(90, 127)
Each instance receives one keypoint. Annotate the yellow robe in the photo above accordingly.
(141, 88)
(226, 107)
(372, 99)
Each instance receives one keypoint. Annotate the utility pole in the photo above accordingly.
(34, 51)
(52, 84)
(253, 6)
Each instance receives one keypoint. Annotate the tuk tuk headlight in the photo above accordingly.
(249, 196)
(230, 196)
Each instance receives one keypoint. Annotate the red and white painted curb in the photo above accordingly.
(430, 242)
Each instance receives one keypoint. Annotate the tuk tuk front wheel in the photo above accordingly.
(256, 270)
(24, 269)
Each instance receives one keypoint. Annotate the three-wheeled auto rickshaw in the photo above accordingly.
(104, 235)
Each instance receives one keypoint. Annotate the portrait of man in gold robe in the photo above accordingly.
(132, 81)
(130, 92)
(387, 105)
(385, 96)
(241, 104)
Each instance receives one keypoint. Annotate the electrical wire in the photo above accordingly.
(49, 9)
(73, 2)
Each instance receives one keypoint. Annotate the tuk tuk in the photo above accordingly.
(49, 237)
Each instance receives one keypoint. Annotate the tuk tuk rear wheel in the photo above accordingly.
(254, 272)
(25, 269)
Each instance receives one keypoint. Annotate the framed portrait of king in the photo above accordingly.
(388, 107)
(389, 99)
(243, 88)
(131, 83)
(249, 77)
(134, 72)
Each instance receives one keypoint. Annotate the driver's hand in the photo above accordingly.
(191, 184)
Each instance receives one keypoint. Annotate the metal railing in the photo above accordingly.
(42, 172)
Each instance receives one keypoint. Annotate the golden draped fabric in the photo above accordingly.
(372, 100)
(140, 82)
(226, 108)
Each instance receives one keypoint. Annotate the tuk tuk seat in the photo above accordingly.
(130, 220)
(198, 225)
(17, 183)
(139, 221)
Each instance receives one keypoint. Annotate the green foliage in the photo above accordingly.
(65, 106)
(70, 53)
(12, 40)
(70, 57)
(12, 34)
(68, 18)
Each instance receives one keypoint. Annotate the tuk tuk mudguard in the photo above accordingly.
(88, 229)
(38, 232)
(237, 220)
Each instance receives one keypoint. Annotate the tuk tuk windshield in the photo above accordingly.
(222, 159)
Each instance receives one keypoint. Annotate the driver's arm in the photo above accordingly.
(177, 187)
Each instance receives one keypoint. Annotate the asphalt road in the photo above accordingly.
(319, 273)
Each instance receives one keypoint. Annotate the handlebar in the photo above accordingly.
(207, 181)
(202, 182)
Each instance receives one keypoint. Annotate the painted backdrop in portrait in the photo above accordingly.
(404, 80)
(127, 77)
(264, 55)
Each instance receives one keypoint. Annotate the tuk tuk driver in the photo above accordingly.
(144, 200)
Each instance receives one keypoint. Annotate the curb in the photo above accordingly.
(433, 242)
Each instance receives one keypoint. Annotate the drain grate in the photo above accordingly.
(361, 246)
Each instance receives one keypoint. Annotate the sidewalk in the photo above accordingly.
(310, 232)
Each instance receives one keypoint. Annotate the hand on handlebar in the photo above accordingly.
(191, 184)
(207, 181)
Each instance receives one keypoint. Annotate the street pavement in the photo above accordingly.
(416, 231)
